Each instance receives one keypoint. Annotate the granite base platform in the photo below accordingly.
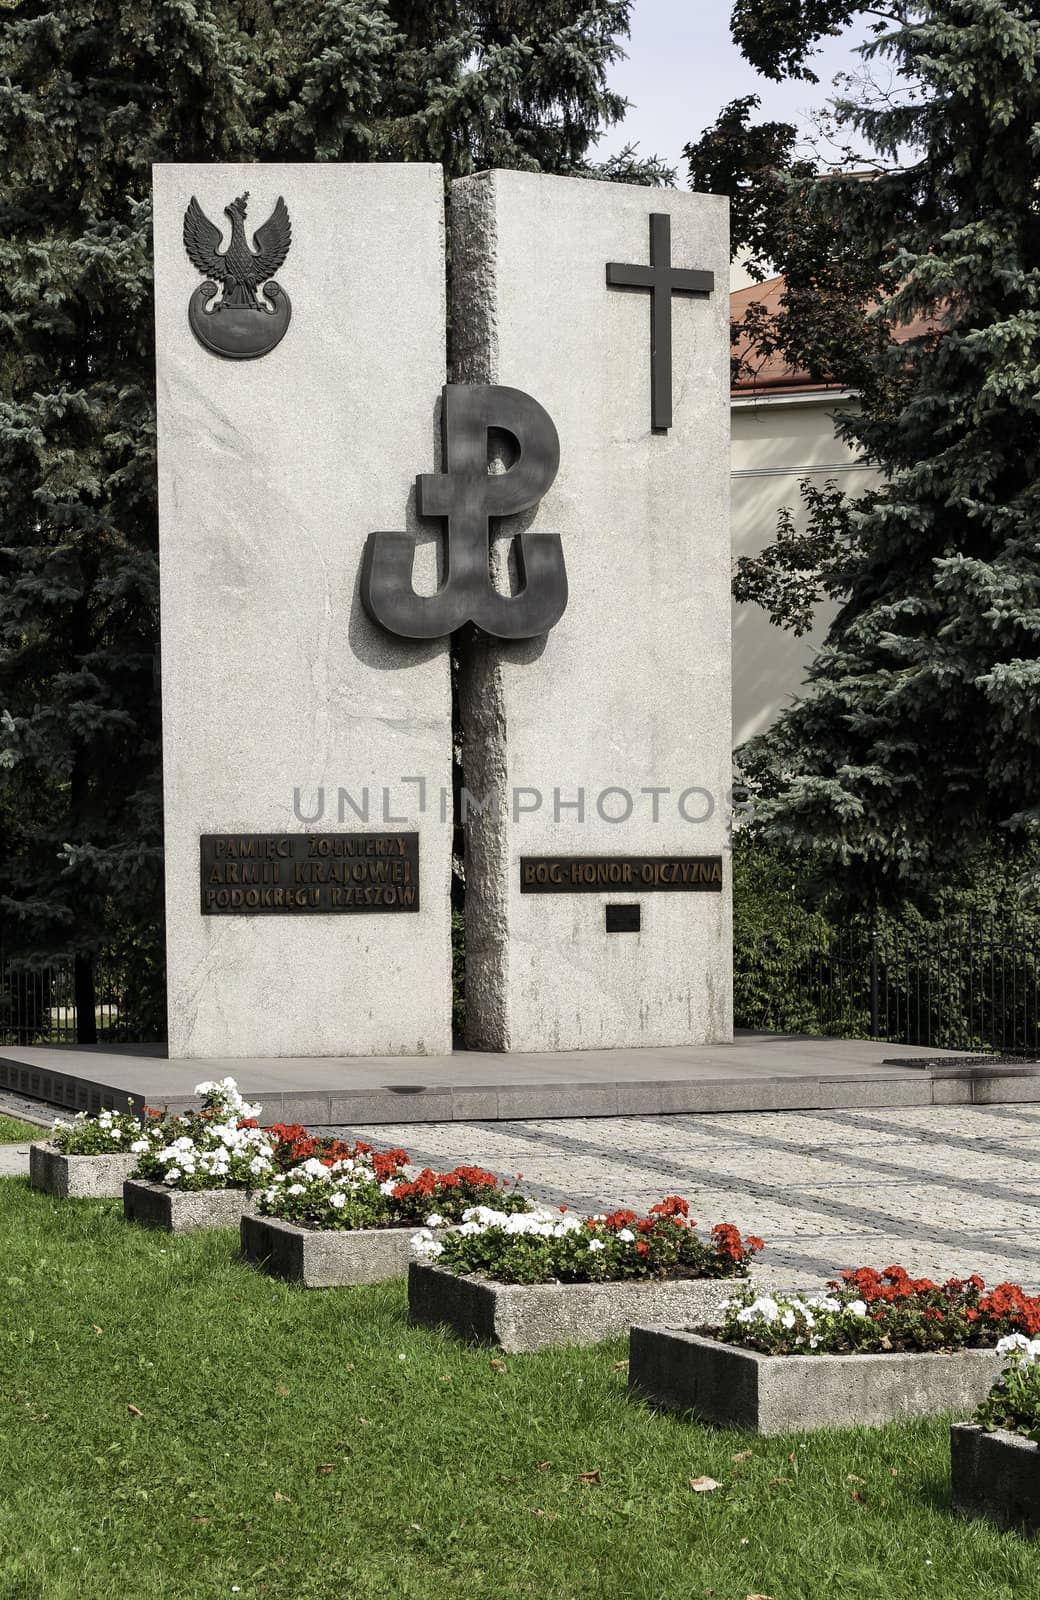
(756, 1072)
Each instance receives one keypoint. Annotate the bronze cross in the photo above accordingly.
(662, 280)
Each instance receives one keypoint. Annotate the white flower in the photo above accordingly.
(1013, 1342)
(172, 1175)
(788, 1318)
(764, 1309)
(434, 1220)
(138, 1145)
(596, 1244)
(295, 1188)
(388, 1185)
(626, 1236)
(338, 1200)
(424, 1246)
(858, 1308)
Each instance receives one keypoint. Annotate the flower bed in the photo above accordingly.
(202, 1171)
(995, 1459)
(90, 1157)
(868, 1312)
(219, 1147)
(562, 1247)
(876, 1346)
(156, 1205)
(531, 1280)
(344, 1216)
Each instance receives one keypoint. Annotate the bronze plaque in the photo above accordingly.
(601, 874)
(256, 874)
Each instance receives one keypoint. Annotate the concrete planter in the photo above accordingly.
(533, 1316)
(737, 1388)
(78, 1177)
(320, 1258)
(181, 1210)
(995, 1475)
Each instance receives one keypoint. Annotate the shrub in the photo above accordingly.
(110, 1133)
(1014, 1401)
(871, 1312)
(543, 1246)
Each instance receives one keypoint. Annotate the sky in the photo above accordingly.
(683, 67)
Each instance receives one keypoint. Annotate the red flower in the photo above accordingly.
(619, 1219)
(642, 1248)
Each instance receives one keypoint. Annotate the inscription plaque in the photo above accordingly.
(595, 874)
(256, 874)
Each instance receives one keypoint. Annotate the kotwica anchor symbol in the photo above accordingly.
(468, 496)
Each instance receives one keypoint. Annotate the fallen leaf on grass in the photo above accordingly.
(285, 1498)
(97, 1330)
(774, 1481)
(550, 1516)
(704, 1485)
(200, 1519)
(595, 1476)
(619, 1366)
(497, 1366)
(850, 1477)
(894, 1471)
(281, 1389)
(758, 1597)
(741, 1455)
(135, 1411)
(543, 1466)
(857, 1494)
(446, 1379)
(325, 1466)
(364, 1422)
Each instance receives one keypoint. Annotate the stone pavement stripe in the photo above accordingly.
(875, 1123)
(890, 1169)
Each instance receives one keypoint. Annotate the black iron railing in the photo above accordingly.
(38, 1004)
(970, 984)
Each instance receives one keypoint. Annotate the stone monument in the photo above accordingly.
(567, 535)
(597, 883)
(292, 420)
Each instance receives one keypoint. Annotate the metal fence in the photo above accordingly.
(38, 1004)
(970, 984)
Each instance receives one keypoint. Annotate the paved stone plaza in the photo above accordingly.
(941, 1190)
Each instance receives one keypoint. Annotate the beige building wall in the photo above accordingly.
(778, 440)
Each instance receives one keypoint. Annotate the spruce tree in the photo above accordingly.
(91, 93)
(919, 732)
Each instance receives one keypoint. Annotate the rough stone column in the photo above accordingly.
(631, 689)
(272, 473)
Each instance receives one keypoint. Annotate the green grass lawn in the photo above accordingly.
(14, 1132)
(311, 1446)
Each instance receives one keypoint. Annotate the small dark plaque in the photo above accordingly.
(600, 874)
(623, 919)
(256, 874)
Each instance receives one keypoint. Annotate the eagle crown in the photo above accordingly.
(237, 209)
